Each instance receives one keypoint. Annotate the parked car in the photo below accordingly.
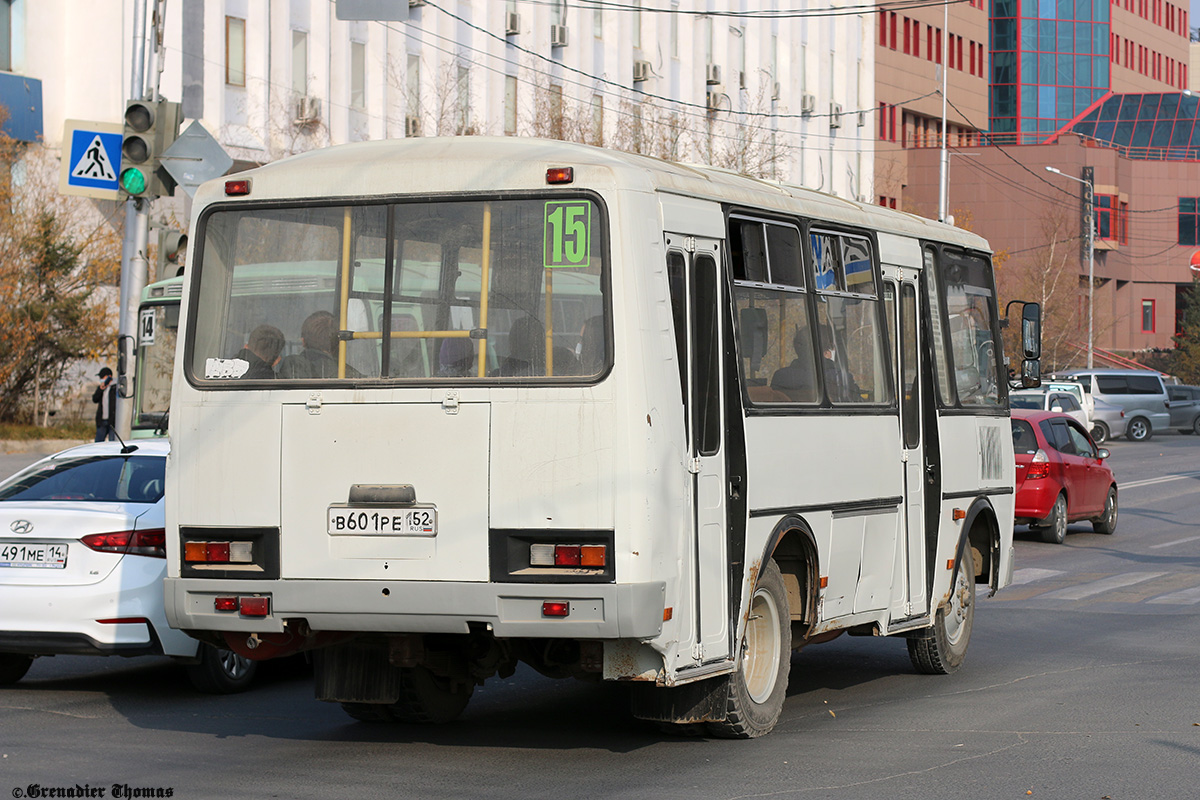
(1061, 476)
(1076, 389)
(1108, 421)
(1185, 408)
(1049, 401)
(1140, 393)
(82, 562)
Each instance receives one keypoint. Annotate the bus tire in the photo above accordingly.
(427, 699)
(221, 671)
(13, 667)
(755, 692)
(941, 649)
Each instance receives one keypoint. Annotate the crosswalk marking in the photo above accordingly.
(1104, 585)
(1031, 574)
(1187, 597)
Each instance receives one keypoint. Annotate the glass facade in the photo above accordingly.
(1049, 63)
(1147, 126)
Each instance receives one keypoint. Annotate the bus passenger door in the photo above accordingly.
(901, 297)
(699, 295)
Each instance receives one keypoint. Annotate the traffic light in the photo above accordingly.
(172, 245)
(150, 128)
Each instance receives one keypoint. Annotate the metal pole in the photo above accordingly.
(133, 249)
(1091, 198)
(944, 161)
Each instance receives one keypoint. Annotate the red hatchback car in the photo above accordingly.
(1061, 475)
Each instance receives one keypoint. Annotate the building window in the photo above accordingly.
(1147, 316)
(5, 35)
(510, 105)
(358, 75)
(1189, 220)
(1106, 216)
(413, 89)
(637, 24)
(235, 51)
(1123, 223)
(300, 62)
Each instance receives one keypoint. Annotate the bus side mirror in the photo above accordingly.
(1031, 331)
(1031, 373)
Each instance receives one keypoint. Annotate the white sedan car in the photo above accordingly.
(82, 562)
(1038, 400)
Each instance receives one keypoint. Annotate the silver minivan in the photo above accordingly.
(1140, 393)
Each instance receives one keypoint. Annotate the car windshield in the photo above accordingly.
(1025, 401)
(111, 479)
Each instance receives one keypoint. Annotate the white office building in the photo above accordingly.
(768, 88)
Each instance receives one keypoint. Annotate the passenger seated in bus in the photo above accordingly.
(798, 379)
(526, 349)
(456, 358)
(839, 383)
(317, 360)
(262, 352)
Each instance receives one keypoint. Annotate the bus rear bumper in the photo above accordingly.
(594, 611)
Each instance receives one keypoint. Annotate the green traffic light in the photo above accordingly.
(133, 181)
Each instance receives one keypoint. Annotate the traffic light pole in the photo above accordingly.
(133, 249)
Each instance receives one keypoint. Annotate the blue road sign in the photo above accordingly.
(95, 160)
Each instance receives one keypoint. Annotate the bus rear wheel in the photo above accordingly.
(941, 649)
(754, 694)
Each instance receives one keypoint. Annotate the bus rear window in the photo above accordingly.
(395, 293)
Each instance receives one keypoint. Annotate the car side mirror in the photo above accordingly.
(1102, 454)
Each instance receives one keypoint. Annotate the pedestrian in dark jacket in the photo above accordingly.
(105, 398)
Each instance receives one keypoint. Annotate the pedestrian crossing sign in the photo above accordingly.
(91, 159)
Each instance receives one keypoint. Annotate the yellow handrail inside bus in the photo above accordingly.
(549, 324)
(345, 300)
(484, 267)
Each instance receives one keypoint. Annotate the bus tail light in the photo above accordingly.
(218, 552)
(1039, 467)
(225, 604)
(254, 606)
(568, 555)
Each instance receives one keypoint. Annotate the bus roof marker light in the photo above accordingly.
(237, 188)
(560, 175)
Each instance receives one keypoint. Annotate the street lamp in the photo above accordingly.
(1091, 246)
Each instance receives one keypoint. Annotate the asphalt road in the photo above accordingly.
(1081, 682)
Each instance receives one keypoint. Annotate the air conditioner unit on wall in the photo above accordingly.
(808, 103)
(415, 3)
(713, 100)
(512, 23)
(712, 74)
(641, 70)
(558, 35)
(835, 115)
(308, 109)
(412, 126)
(862, 119)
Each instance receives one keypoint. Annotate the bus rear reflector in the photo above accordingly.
(555, 609)
(225, 604)
(254, 606)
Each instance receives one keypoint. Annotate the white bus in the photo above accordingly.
(609, 416)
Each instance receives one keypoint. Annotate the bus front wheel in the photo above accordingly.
(941, 649)
(754, 694)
